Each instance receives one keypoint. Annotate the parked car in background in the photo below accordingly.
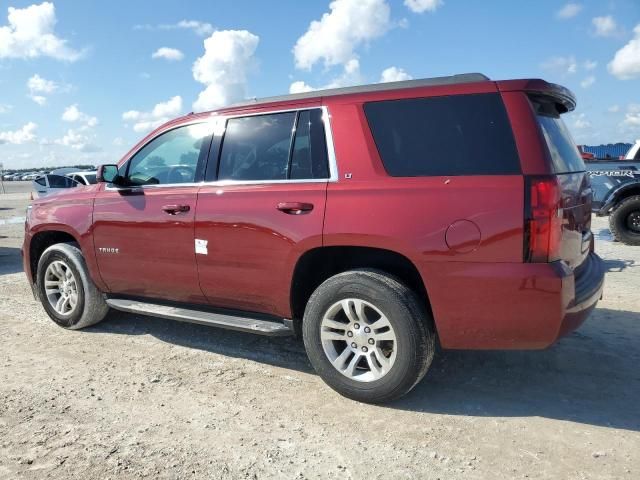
(48, 184)
(83, 178)
(616, 193)
(375, 221)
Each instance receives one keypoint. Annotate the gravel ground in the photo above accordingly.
(138, 397)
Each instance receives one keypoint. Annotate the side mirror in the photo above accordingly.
(107, 174)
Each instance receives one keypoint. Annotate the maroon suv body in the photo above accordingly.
(469, 192)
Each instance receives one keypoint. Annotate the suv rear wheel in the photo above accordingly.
(368, 336)
(66, 290)
(624, 221)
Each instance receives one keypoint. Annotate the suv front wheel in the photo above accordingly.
(66, 290)
(624, 221)
(368, 336)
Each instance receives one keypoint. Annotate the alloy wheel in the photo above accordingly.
(358, 340)
(61, 288)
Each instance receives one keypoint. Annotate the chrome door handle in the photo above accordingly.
(295, 208)
(175, 209)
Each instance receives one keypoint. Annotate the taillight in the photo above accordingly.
(543, 219)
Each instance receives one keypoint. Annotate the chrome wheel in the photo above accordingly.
(61, 288)
(358, 340)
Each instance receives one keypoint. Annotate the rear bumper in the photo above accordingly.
(511, 306)
(588, 283)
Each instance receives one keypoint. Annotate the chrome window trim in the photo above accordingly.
(218, 132)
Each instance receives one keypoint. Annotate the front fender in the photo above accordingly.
(71, 214)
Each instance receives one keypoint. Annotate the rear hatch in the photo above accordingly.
(565, 196)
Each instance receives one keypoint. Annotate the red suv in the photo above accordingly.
(375, 221)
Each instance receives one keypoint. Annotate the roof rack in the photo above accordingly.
(374, 87)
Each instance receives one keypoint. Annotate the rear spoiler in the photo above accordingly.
(563, 96)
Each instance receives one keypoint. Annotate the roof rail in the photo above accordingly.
(374, 87)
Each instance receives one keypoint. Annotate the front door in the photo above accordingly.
(264, 211)
(144, 232)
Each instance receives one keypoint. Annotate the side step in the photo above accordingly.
(222, 320)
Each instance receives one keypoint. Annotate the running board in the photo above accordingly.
(222, 320)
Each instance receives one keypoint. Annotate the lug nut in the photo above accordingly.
(349, 334)
(354, 345)
(371, 341)
(356, 326)
(365, 349)
(367, 330)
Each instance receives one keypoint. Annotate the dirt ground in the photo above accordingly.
(137, 397)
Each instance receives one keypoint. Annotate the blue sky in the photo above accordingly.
(83, 81)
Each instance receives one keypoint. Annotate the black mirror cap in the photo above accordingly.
(107, 174)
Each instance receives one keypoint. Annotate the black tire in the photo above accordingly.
(410, 321)
(90, 307)
(620, 221)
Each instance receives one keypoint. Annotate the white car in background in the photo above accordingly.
(83, 178)
(51, 183)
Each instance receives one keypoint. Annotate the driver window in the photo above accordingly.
(257, 147)
(169, 158)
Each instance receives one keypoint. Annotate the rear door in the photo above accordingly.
(263, 209)
(573, 180)
(143, 233)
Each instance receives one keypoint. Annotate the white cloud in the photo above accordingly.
(161, 113)
(39, 87)
(350, 76)
(420, 6)
(587, 82)
(626, 62)
(5, 108)
(199, 28)
(73, 114)
(25, 134)
(570, 10)
(561, 65)
(300, 87)
(171, 54)
(30, 34)
(632, 116)
(223, 68)
(590, 65)
(394, 74)
(37, 84)
(613, 109)
(581, 122)
(335, 37)
(79, 140)
(604, 26)
(39, 99)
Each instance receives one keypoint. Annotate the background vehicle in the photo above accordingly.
(343, 215)
(616, 193)
(83, 178)
(48, 184)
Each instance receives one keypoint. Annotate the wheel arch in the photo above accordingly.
(618, 194)
(42, 240)
(318, 264)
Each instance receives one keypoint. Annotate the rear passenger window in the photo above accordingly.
(279, 146)
(309, 157)
(444, 136)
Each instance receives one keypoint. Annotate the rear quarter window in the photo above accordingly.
(564, 154)
(444, 136)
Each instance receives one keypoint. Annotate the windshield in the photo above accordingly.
(565, 157)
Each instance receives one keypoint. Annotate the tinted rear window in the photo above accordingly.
(444, 136)
(565, 157)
